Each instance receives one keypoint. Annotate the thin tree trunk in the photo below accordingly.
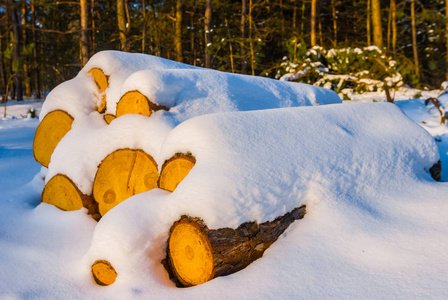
(230, 45)
(121, 19)
(178, 35)
(282, 21)
(313, 22)
(243, 36)
(376, 24)
(251, 44)
(26, 73)
(294, 18)
(2, 68)
(85, 36)
(35, 56)
(394, 24)
(414, 39)
(208, 34)
(92, 18)
(144, 27)
(335, 24)
(16, 55)
(302, 20)
(369, 20)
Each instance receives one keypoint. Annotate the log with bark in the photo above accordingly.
(134, 102)
(197, 254)
(122, 174)
(49, 133)
(174, 170)
(102, 81)
(63, 193)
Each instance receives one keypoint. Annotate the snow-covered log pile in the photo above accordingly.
(212, 173)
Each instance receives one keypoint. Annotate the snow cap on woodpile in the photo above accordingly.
(256, 166)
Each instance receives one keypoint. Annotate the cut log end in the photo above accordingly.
(102, 81)
(133, 103)
(61, 192)
(175, 170)
(103, 272)
(49, 133)
(109, 118)
(197, 254)
(190, 253)
(122, 174)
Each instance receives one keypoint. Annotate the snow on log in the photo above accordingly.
(63, 193)
(122, 174)
(134, 102)
(174, 171)
(197, 254)
(101, 81)
(49, 133)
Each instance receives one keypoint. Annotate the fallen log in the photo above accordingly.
(197, 254)
(49, 133)
(63, 193)
(103, 273)
(135, 102)
(109, 118)
(102, 81)
(174, 170)
(122, 174)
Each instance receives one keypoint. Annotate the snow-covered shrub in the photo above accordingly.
(356, 69)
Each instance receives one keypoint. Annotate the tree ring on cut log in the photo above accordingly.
(175, 170)
(62, 192)
(102, 81)
(108, 118)
(49, 133)
(190, 254)
(122, 174)
(134, 102)
(103, 272)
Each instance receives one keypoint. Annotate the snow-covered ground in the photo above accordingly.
(376, 225)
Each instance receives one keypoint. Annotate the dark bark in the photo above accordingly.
(85, 32)
(208, 34)
(16, 53)
(244, 36)
(178, 34)
(235, 249)
(36, 72)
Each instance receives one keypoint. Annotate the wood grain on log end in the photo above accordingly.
(190, 253)
(196, 254)
(103, 272)
(175, 170)
(49, 133)
(134, 102)
(102, 81)
(62, 192)
(122, 174)
(108, 118)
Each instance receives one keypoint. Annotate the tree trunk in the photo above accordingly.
(121, 19)
(178, 35)
(414, 39)
(208, 34)
(35, 55)
(251, 42)
(197, 254)
(17, 68)
(244, 36)
(26, 73)
(144, 26)
(335, 24)
(369, 20)
(2, 69)
(376, 24)
(85, 33)
(313, 22)
(174, 170)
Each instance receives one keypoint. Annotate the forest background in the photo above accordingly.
(43, 43)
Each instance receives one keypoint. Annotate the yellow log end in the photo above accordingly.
(122, 174)
(62, 192)
(175, 170)
(109, 118)
(49, 133)
(133, 103)
(103, 272)
(190, 254)
(100, 78)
